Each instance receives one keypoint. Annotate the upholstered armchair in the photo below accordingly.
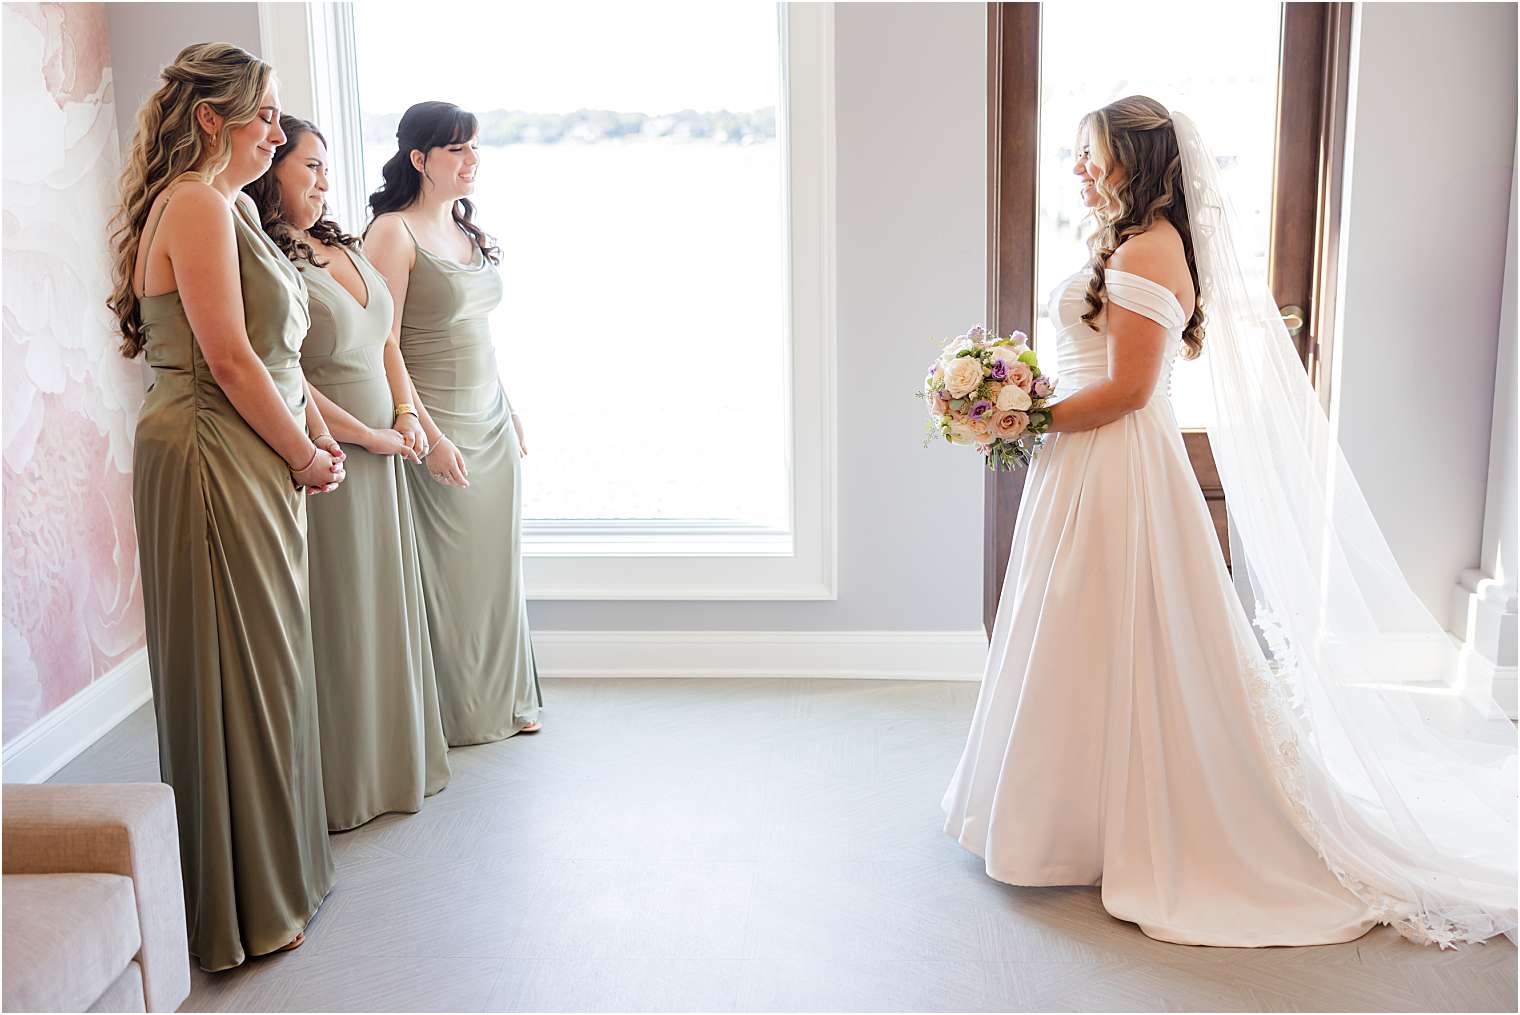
(94, 911)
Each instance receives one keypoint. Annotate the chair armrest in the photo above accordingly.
(126, 828)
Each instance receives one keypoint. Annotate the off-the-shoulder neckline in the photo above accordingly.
(1152, 283)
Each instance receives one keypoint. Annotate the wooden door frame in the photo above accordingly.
(1313, 88)
(1313, 78)
(1013, 131)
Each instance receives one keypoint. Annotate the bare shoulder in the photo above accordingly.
(387, 230)
(389, 247)
(194, 204)
(1155, 254)
(196, 219)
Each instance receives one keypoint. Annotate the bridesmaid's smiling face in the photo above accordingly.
(302, 176)
(253, 144)
(451, 168)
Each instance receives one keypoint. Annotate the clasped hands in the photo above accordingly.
(443, 460)
(325, 470)
(407, 438)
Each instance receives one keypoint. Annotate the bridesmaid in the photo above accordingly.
(383, 747)
(220, 463)
(441, 270)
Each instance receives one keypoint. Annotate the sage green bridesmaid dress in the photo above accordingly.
(221, 536)
(470, 538)
(382, 739)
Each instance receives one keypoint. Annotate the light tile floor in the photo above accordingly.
(750, 845)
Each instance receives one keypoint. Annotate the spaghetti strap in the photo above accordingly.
(409, 231)
(152, 231)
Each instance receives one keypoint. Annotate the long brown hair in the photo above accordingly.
(423, 127)
(265, 192)
(1136, 134)
(169, 143)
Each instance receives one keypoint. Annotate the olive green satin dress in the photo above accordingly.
(382, 740)
(221, 536)
(470, 538)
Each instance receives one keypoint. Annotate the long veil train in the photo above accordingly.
(1400, 770)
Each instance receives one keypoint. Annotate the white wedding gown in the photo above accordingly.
(1113, 742)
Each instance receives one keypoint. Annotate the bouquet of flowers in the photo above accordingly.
(989, 392)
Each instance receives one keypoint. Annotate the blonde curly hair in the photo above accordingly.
(169, 143)
(1136, 135)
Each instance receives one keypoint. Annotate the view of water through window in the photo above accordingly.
(631, 173)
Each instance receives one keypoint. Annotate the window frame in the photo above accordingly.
(314, 47)
(1314, 68)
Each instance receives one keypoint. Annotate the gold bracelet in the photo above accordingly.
(403, 409)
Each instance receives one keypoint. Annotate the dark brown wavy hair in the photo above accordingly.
(423, 127)
(265, 192)
(1136, 134)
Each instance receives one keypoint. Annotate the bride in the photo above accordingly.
(1298, 786)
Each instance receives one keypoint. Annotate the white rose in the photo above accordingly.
(962, 433)
(963, 376)
(1013, 397)
(952, 351)
(1005, 354)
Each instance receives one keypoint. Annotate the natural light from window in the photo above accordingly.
(643, 332)
(1215, 62)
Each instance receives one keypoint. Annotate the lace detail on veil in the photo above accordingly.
(1282, 722)
(1414, 817)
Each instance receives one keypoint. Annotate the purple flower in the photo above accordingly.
(980, 408)
(1042, 387)
(999, 370)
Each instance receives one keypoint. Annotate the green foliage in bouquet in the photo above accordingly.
(989, 392)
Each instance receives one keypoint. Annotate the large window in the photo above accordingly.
(659, 179)
(631, 172)
(1215, 62)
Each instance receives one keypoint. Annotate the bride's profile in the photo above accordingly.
(1291, 755)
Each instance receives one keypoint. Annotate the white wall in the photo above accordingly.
(911, 107)
(145, 37)
(1484, 607)
(1501, 524)
(1430, 165)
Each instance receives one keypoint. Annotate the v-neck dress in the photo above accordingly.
(382, 739)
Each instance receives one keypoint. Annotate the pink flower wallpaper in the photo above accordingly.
(72, 602)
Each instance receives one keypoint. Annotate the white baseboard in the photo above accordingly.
(1507, 690)
(61, 735)
(1485, 617)
(1485, 623)
(889, 655)
(58, 737)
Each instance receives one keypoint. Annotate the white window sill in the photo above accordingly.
(652, 538)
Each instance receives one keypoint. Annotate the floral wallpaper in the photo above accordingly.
(71, 600)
